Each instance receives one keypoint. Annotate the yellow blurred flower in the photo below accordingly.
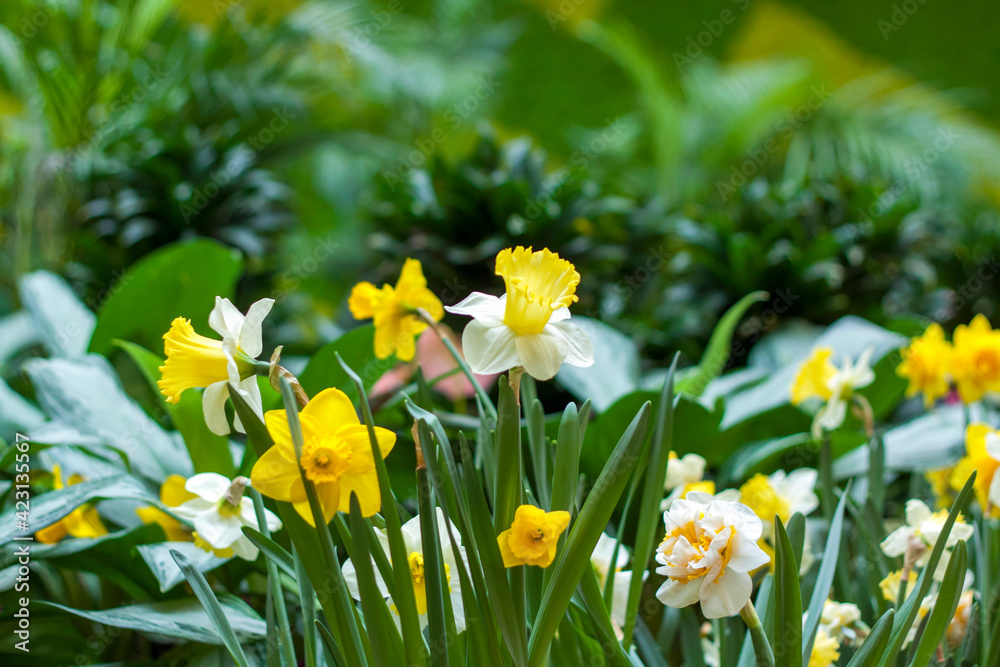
(336, 457)
(976, 359)
(84, 521)
(982, 455)
(940, 481)
(782, 494)
(959, 624)
(393, 310)
(815, 373)
(926, 363)
(172, 494)
(890, 585)
(532, 538)
(825, 651)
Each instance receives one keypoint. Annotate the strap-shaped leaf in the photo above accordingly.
(824, 579)
(871, 650)
(945, 606)
(787, 636)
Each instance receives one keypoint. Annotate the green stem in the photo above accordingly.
(284, 638)
(761, 647)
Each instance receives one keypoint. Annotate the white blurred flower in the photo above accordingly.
(601, 559)
(709, 549)
(219, 513)
(917, 538)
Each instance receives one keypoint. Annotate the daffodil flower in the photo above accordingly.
(172, 494)
(195, 361)
(336, 457)
(982, 455)
(819, 378)
(917, 538)
(926, 365)
(825, 651)
(394, 310)
(976, 359)
(529, 325)
(708, 551)
(780, 494)
(841, 620)
(413, 541)
(84, 521)
(684, 475)
(218, 513)
(601, 560)
(533, 537)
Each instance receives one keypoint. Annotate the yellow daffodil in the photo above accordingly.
(926, 364)
(817, 377)
(532, 538)
(218, 511)
(84, 521)
(782, 494)
(172, 494)
(826, 650)
(194, 361)
(976, 359)
(892, 582)
(982, 455)
(940, 483)
(707, 553)
(393, 310)
(529, 325)
(336, 457)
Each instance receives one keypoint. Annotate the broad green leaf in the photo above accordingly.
(584, 533)
(179, 280)
(615, 371)
(719, 347)
(47, 508)
(63, 322)
(181, 619)
(216, 614)
(164, 567)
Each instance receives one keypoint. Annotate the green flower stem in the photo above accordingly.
(761, 647)
(828, 497)
(460, 360)
(284, 639)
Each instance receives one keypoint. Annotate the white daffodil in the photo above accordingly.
(196, 361)
(817, 377)
(415, 557)
(529, 325)
(601, 560)
(708, 552)
(842, 621)
(782, 494)
(917, 538)
(219, 513)
(993, 451)
(684, 475)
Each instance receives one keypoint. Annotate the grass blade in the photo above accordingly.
(787, 636)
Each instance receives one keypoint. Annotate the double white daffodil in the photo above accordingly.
(218, 513)
(196, 361)
(529, 325)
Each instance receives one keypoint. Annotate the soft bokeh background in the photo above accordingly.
(842, 154)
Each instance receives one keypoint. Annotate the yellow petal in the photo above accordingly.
(85, 522)
(51, 534)
(274, 475)
(173, 493)
(363, 299)
(367, 489)
(331, 409)
(361, 448)
(509, 559)
(329, 500)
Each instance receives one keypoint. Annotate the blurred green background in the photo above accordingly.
(842, 155)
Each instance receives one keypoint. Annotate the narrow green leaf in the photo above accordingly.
(944, 608)
(584, 533)
(272, 551)
(508, 451)
(307, 602)
(652, 494)
(276, 595)
(333, 651)
(218, 617)
(787, 636)
(824, 579)
(566, 475)
(872, 649)
(440, 633)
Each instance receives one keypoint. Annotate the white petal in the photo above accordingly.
(541, 354)
(558, 315)
(351, 579)
(747, 556)
(248, 515)
(192, 508)
(250, 391)
(217, 529)
(897, 542)
(225, 319)
(675, 594)
(457, 607)
(917, 512)
(209, 485)
(485, 308)
(579, 351)
(213, 404)
(994, 496)
(244, 548)
(993, 446)
(601, 555)
(250, 336)
(489, 349)
(726, 595)
(411, 536)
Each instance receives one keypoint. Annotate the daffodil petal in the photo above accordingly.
(361, 449)
(225, 319)
(213, 404)
(484, 308)
(489, 349)
(541, 354)
(579, 350)
(244, 548)
(219, 530)
(210, 486)
(250, 392)
(332, 408)
(274, 475)
(725, 596)
(251, 342)
(367, 489)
